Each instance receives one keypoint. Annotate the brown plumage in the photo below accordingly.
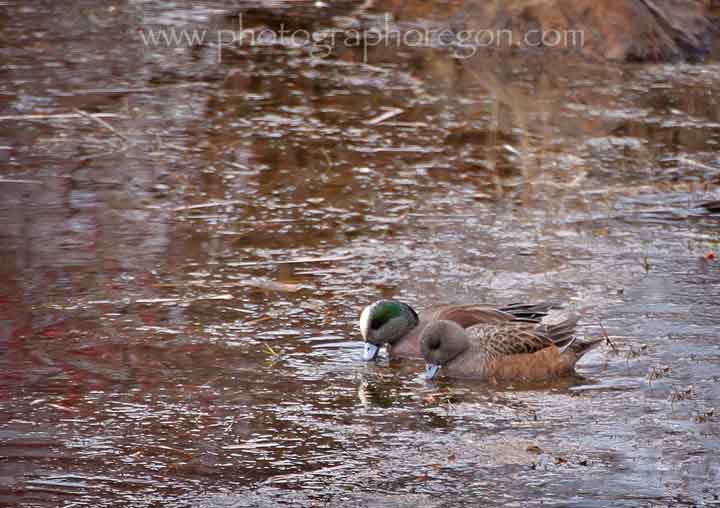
(503, 352)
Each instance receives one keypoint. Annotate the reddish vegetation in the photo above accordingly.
(624, 30)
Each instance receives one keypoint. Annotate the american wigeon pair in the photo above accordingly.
(476, 341)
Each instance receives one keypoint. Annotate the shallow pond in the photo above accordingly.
(180, 279)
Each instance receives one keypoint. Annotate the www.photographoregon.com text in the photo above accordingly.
(463, 43)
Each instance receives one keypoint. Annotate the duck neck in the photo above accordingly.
(411, 316)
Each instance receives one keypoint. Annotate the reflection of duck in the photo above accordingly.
(397, 325)
(503, 352)
(712, 206)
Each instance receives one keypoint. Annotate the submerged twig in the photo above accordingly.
(270, 351)
(391, 112)
(103, 124)
(328, 160)
(16, 180)
(212, 204)
(59, 116)
(290, 261)
(258, 320)
(607, 338)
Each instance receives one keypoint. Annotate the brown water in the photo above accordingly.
(161, 346)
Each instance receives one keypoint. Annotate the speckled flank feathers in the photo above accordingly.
(504, 351)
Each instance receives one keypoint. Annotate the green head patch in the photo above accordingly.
(384, 312)
(386, 321)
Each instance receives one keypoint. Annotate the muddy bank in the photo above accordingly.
(618, 30)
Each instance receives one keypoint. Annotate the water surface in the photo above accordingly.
(180, 284)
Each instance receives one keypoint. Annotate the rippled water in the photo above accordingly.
(180, 281)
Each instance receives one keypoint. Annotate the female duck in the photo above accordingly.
(503, 352)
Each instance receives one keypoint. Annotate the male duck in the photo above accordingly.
(397, 325)
(503, 352)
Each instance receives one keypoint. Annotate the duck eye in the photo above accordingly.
(434, 344)
(376, 323)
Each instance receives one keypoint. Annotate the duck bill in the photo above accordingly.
(371, 351)
(430, 370)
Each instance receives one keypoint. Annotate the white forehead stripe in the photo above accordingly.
(365, 322)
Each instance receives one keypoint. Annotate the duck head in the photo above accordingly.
(440, 343)
(385, 322)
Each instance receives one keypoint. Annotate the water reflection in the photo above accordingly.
(180, 289)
